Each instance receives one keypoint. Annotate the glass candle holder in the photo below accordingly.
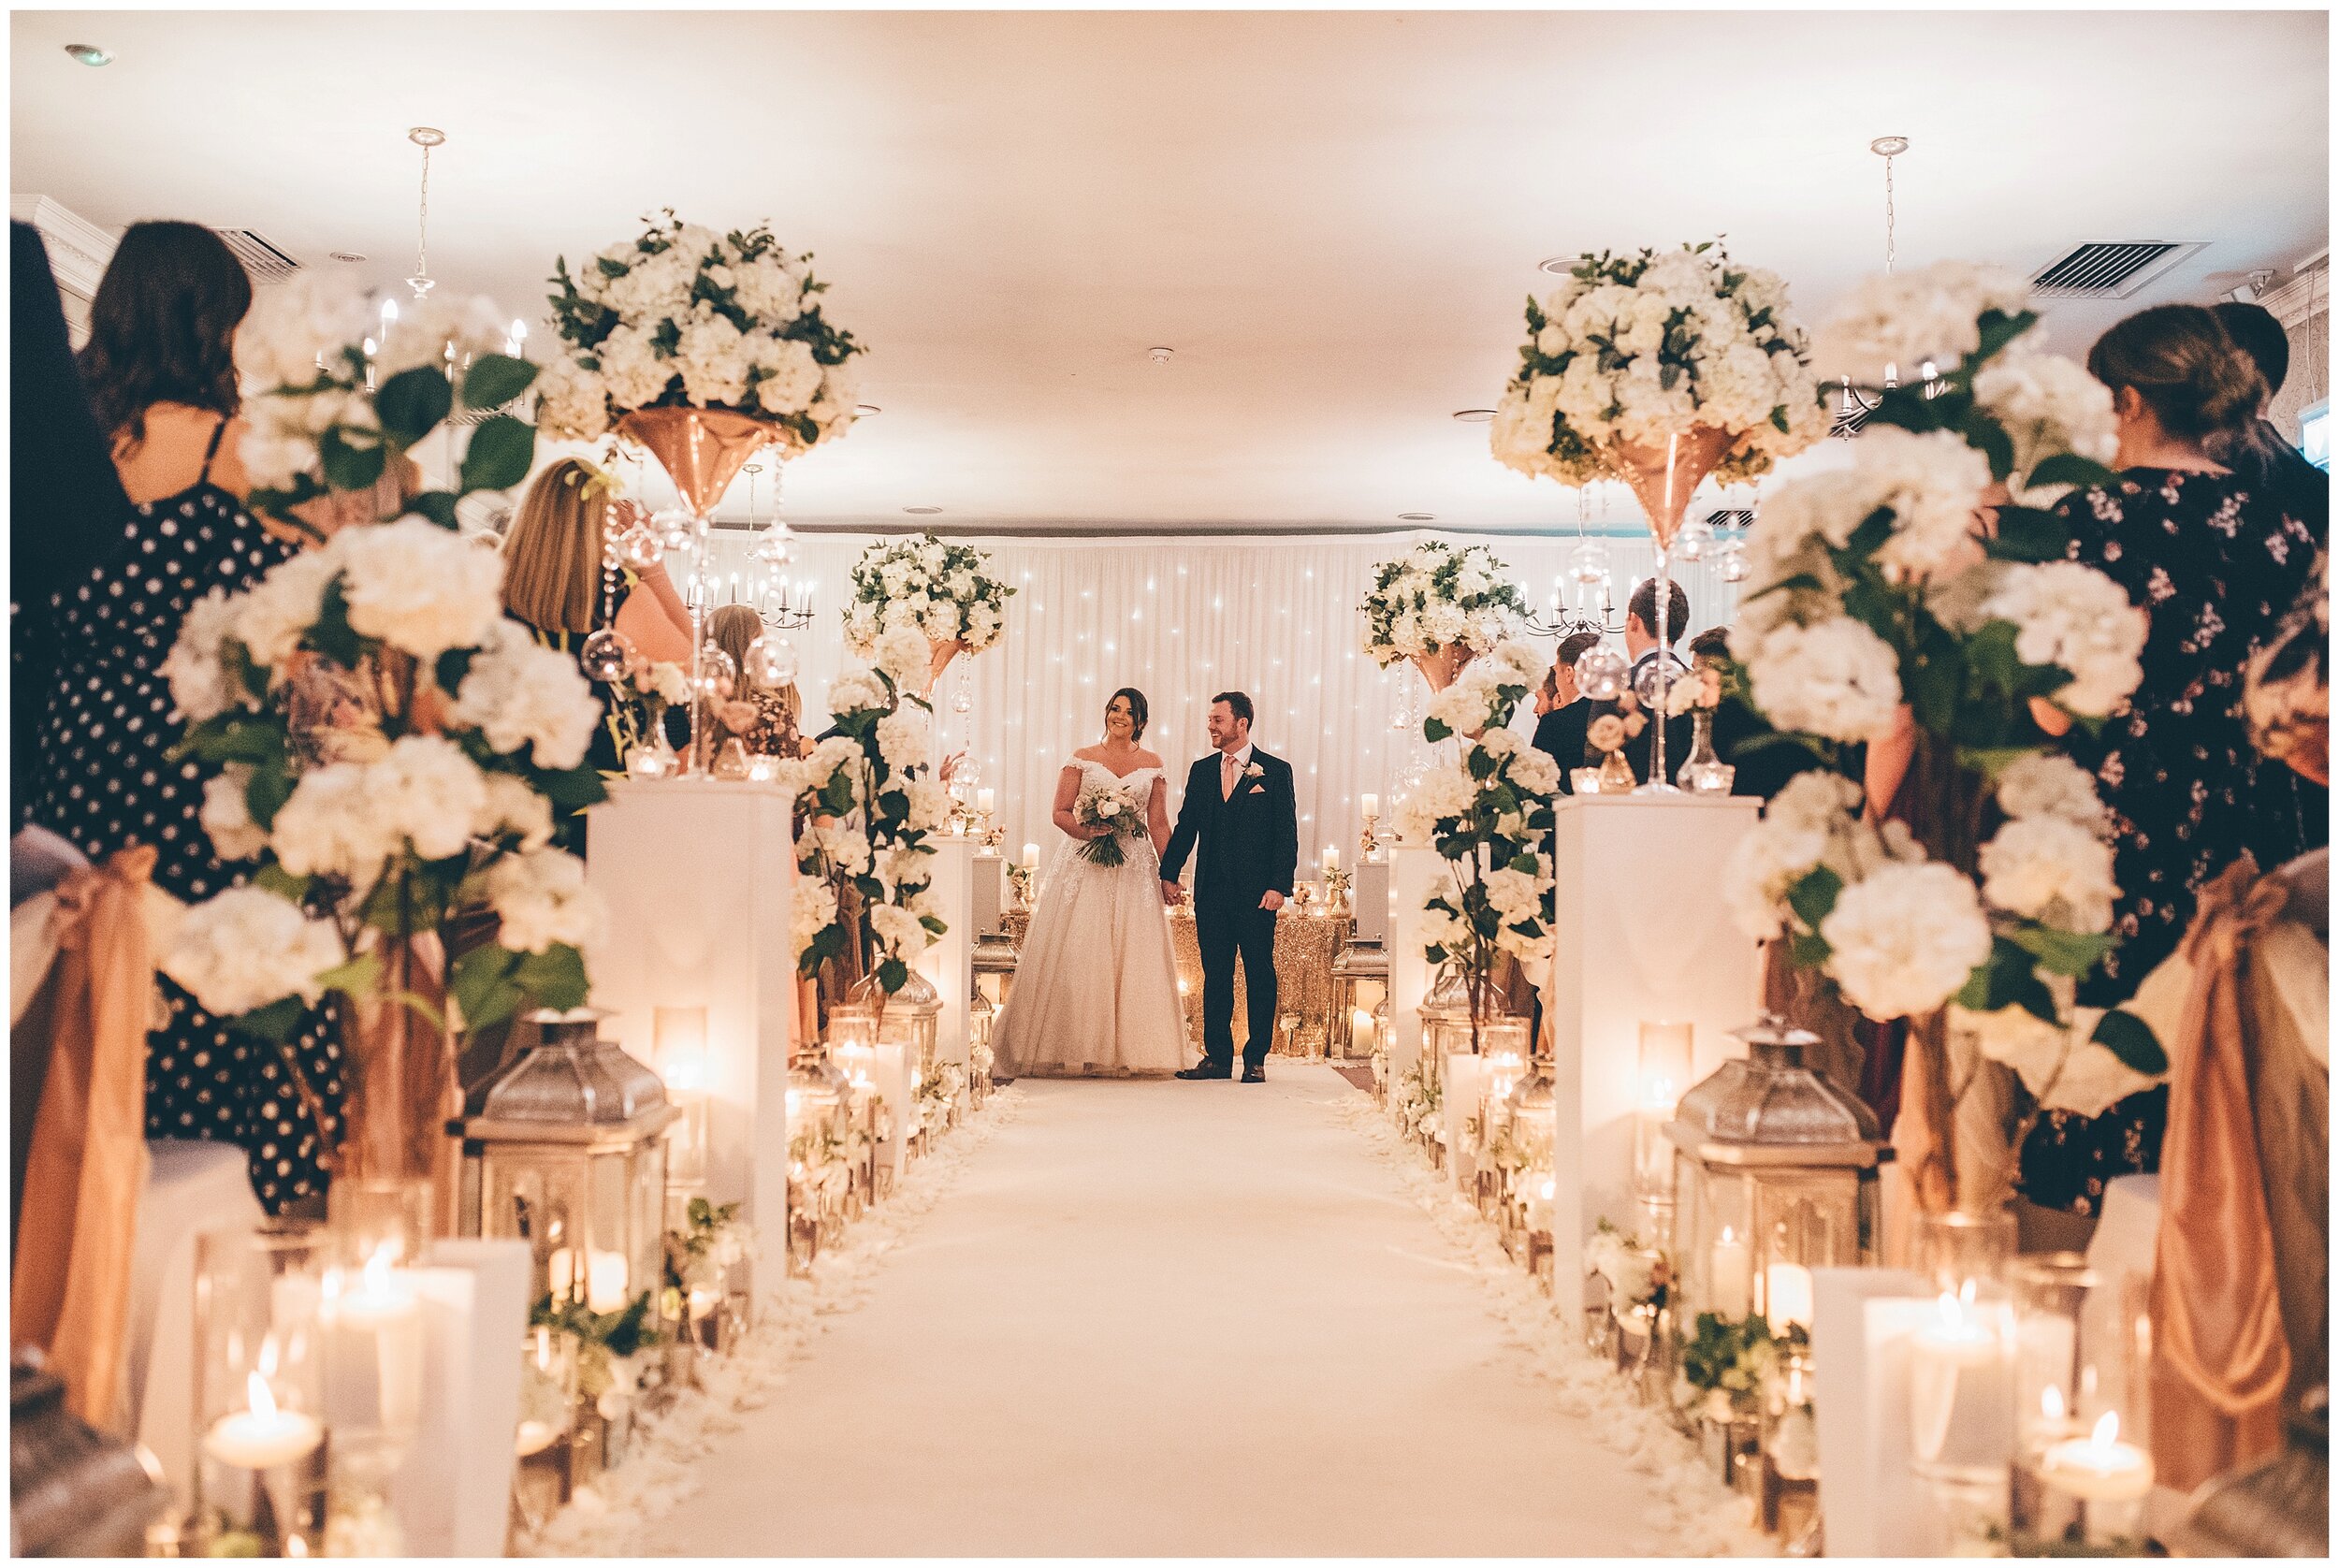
(546, 1420)
(1663, 1072)
(1961, 1393)
(1961, 1247)
(2082, 1403)
(371, 1334)
(259, 1486)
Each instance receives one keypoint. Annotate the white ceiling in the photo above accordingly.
(1332, 217)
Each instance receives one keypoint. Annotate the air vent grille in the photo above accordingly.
(2106, 271)
(1730, 516)
(260, 257)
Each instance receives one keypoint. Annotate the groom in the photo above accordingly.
(1238, 805)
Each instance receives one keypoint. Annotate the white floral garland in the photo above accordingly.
(609, 1518)
(1695, 1515)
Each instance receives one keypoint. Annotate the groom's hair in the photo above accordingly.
(1644, 604)
(1237, 703)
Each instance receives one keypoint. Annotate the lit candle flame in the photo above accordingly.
(2108, 1429)
(255, 1391)
(2051, 1403)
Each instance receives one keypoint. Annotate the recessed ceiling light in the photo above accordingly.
(1473, 415)
(1559, 267)
(922, 511)
(1417, 517)
(345, 255)
(90, 54)
(866, 411)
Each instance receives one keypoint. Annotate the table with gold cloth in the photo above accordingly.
(1305, 947)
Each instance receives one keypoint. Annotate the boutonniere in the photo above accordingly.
(1251, 770)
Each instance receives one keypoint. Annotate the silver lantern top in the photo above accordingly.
(1772, 1101)
(570, 1083)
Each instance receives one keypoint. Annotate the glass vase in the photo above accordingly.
(1705, 773)
(259, 1410)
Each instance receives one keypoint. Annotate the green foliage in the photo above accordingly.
(618, 1333)
(501, 450)
(2131, 1040)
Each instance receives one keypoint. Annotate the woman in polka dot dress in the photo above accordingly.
(161, 376)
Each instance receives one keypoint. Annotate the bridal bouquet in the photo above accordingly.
(1101, 806)
(684, 318)
(1635, 349)
(868, 810)
(944, 592)
(1440, 607)
(1918, 578)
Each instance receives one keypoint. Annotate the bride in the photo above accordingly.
(1095, 988)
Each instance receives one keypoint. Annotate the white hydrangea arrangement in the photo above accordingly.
(1489, 814)
(1914, 586)
(1634, 349)
(1438, 602)
(334, 390)
(869, 809)
(943, 593)
(482, 734)
(684, 318)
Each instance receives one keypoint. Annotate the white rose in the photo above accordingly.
(2059, 1063)
(540, 898)
(248, 948)
(329, 827)
(1905, 939)
(417, 586)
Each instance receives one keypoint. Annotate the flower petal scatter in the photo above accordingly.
(684, 318)
(1638, 348)
(1434, 597)
(939, 592)
(249, 947)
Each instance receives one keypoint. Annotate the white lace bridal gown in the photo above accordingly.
(1096, 993)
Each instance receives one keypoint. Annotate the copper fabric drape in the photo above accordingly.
(2220, 1356)
(86, 1167)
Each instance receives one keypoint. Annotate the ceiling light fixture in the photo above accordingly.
(1559, 267)
(1159, 355)
(1475, 416)
(345, 255)
(90, 54)
(922, 511)
(426, 138)
(1854, 409)
(1417, 517)
(866, 411)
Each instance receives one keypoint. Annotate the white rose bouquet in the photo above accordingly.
(1490, 816)
(684, 318)
(1112, 811)
(1440, 607)
(944, 593)
(1633, 350)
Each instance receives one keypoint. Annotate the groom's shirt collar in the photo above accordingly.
(1242, 757)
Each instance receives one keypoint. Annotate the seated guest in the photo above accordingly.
(2266, 462)
(1560, 731)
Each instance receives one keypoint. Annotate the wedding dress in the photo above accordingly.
(1096, 991)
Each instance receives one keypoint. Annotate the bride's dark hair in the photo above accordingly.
(1137, 709)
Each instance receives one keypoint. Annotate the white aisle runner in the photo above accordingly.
(1164, 1318)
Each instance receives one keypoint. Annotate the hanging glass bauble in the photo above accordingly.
(1591, 563)
(1733, 567)
(675, 529)
(640, 549)
(964, 701)
(604, 655)
(771, 661)
(1695, 538)
(776, 547)
(718, 674)
(1600, 671)
(1645, 682)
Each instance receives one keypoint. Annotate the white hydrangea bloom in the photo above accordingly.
(855, 692)
(1905, 939)
(901, 739)
(2048, 784)
(904, 655)
(247, 949)
(2053, 871)
(329, 828)
(226, 815)
(1903, 320)
(540, 898)
(514, 807)
(1536, 772)
(292, 322)
(426, 791)
(200, 686)
(273, 616)
(521, 695)
(417, 586)
(2074, 616)
(573, 403)
(2047, 405)
(1836, 679)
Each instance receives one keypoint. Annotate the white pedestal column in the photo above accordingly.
(1641, 938)
(990, 891)
(949, 963)
(696, 874)
(1370, 895)
(1414, 870)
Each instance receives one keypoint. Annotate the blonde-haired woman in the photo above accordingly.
(762, 718)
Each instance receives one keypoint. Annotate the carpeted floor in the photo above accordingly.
(1166, 1319)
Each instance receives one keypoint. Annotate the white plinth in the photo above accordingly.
(696, 874)
(949, 963)
(454, 1494)
(1370, 898)
(1414, 871)
(1861, 1322)
(990, 891)
(1642, 936)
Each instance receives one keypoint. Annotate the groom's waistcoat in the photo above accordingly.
(1245, 844)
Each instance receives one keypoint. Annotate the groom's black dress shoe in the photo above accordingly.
(1254, 1074)
(1206, 1072)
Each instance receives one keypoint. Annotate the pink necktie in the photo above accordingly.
(1226, 778)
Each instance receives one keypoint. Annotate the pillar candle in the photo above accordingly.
(1371, 805)
(1961, 1393)
(1787, 1296)
(985, 800)
(1732, 1271)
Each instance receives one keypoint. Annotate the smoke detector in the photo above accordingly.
(1160, 355)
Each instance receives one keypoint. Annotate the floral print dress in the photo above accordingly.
(2216, 569)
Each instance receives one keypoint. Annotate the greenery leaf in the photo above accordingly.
(554, 978)
(274, 878)
(356, 978)
(2006, 979)
(2026, 534)
(332, 635)
(2131, 1040)
(480, 983)
(499, 456)
(437, 505)
(1434, 730)
(1813, 896)
(2063, 952)
(411, 404)
(494, 380)
(274, 1023)
(2069, 468)
(348, 467)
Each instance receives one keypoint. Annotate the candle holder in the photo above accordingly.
(1787, 1500)
(545, 1437)
(372, 1342)
(994, 836)
(1336, 894)
(1586, 781)
(1960, 1247)
(1369, 841)
(259, 1486)
(2083, 1352)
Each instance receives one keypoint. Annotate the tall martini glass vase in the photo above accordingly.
(1663, 479)
(702, 450)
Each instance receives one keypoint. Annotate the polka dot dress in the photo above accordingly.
(104, 780)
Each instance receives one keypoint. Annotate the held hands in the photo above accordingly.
(1171, 894)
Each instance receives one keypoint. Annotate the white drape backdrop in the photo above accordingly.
(1180, 619)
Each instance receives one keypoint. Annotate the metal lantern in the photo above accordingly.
(1360, 986)
(1775, 1174)
(73, 1490)
(566, 1148)
(995, 966)
(910, 1018)
(1445, 1017)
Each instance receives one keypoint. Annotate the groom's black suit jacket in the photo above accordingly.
(1250, 842)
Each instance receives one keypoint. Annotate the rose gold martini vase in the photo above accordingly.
(1439, 668)
(1663, 477)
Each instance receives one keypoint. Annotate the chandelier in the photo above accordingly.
(1853, 411)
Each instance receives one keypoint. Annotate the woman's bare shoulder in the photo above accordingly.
(1150, 759)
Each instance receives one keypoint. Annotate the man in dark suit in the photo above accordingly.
(1642, 648)
(2268, 463)
(1560, 732)
(1241, 812)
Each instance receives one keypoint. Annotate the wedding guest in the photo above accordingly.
(2214, 566)
(2269, 464)
(761, 719)
(1762, 770)
(1643, 648)
(1560, 732)
(160, 370)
